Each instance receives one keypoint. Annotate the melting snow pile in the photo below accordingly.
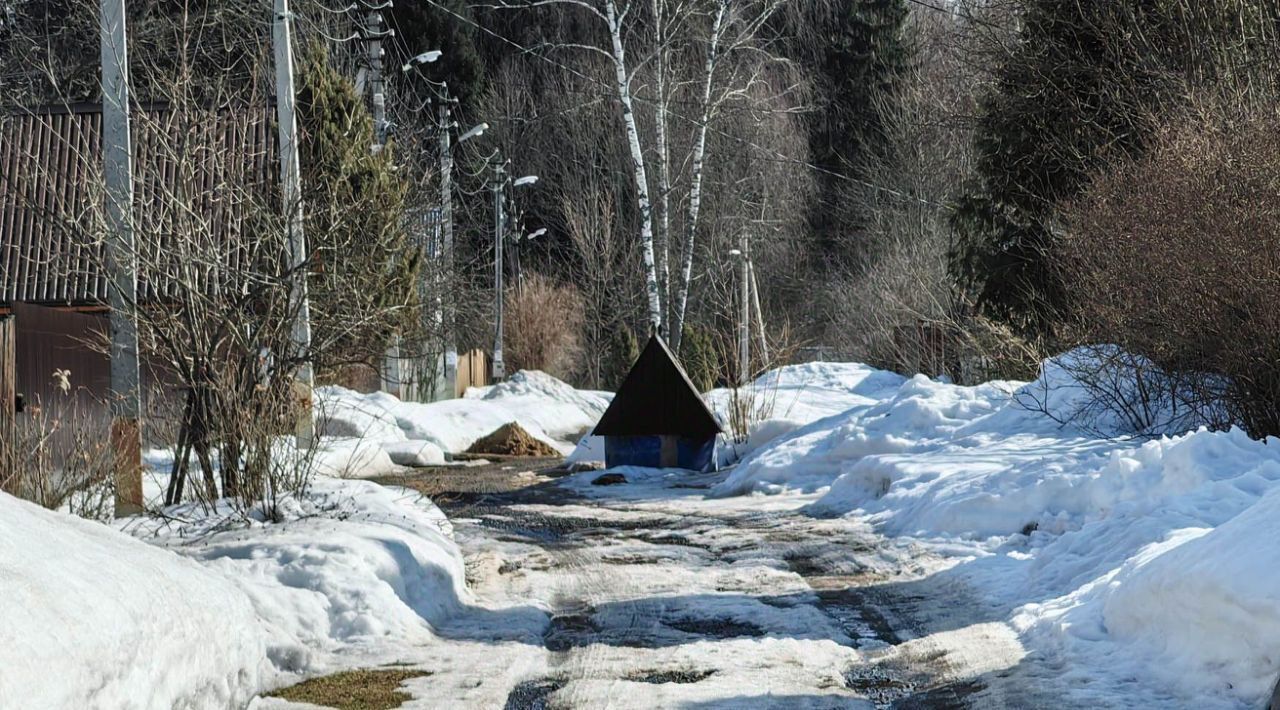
(220, 605)
(370, 434)
(93, 618)
(354, 567)
(1154, 560)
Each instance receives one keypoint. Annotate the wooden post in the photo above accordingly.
(121, 261)
(8, 395)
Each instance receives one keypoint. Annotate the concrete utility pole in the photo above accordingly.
(392, 375)
(744, 329)
(291, 182)
(373, 33)
(755, 300)
(121, 261)
(499, 238)
(444, 119)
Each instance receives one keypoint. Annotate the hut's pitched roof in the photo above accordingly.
(657, 399)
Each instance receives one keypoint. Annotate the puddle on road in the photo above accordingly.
(568, 631)
(532, 694)
(877, 685)
(714, 628)
(661, 677)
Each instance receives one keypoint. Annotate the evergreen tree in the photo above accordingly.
(424, 27)
(354, 204)
(1077, 90)
(861, 53)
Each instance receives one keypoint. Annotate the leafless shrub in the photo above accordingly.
(544, 326)
(1176, 257)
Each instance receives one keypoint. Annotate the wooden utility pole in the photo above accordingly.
(8, 397)
(499, 238)
(291, 181)
(121, 261)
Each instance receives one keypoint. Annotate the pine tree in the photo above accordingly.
(424, 27)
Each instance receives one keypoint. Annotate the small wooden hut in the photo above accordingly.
(658, 419)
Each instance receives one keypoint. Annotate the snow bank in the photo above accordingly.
(354, 568)
(915, 415)
(374, 430)
(559, 410)
(794, 396)
(93, 618)
(1151, 560)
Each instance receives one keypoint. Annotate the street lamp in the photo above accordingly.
(424, 58)
(475, 132)
(526, 180)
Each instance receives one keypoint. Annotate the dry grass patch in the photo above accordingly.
(366, 689)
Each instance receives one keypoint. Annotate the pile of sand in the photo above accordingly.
(512, 440)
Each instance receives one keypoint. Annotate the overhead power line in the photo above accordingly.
(778, 155)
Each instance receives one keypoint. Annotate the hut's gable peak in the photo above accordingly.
(657, 399)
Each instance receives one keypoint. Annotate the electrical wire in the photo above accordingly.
(778, 155)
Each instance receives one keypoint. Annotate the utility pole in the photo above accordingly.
(744, 328)
(755, 299)
(291, 182)
(373, 34)
(393, 379)
(446, 224)
(499, 237)
(121, 260)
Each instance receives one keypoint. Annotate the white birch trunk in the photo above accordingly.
(695, 188)
(664, 161)
(637, 158)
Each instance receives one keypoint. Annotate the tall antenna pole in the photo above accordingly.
(499, 234)
(446, 223)
(291, 182)
(121, 260)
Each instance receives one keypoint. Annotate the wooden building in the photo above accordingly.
(52, 288)
(658, 419)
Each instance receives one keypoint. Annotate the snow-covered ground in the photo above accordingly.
(1103, 571)
(222, 604)
(219, 606)
(1143, 566)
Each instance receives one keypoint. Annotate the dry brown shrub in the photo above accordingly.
(544, 326)
(1176, 257)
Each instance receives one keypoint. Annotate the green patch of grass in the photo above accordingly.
(367, 689)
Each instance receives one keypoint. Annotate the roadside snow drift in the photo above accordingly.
(353, 568)
(93, 618)
(1154, 560)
